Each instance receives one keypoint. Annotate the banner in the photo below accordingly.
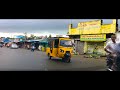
(108, 28)
(93, 37)
(91, 27)
(74, 31)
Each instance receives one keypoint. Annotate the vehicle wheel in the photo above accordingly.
(49, 56)
(68, 60)
(63, 59)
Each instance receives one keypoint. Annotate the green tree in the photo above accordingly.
(45, 36)
(32, 36)
(50, 36)
(25, 35)
(35, 37)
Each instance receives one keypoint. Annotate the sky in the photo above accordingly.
(46, 26)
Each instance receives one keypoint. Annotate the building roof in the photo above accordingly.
(6, 40)
(45, 40)
(19, 36)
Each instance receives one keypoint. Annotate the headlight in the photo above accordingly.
(61, 50)
(67, 54)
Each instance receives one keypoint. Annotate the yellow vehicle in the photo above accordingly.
(60, 47)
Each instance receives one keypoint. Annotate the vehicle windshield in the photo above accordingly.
(66, 43)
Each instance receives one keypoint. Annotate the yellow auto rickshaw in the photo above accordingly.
(60, 47)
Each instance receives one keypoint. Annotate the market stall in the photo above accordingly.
(43, 44)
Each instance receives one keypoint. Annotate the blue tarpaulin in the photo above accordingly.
(44, 41)
(33, 41)
(19, 37)
(6, 40)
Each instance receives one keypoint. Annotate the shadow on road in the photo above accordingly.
(95, 68)
(57, 60)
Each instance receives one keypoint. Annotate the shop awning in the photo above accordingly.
(19, 37)
(44, 41)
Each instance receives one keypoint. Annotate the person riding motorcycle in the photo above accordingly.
(33, 47)
(116, 62)
(112, 54)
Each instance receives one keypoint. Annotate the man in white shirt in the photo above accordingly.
(110, 47)
(111, 50)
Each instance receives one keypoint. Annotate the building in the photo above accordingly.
(92, 35)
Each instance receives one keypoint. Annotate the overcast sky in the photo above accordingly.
(57, 26)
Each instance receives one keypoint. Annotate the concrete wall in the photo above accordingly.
(91, 47)
(79, 46)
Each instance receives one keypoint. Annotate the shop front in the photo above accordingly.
(92, 36)
(94, 43)
(43, 44)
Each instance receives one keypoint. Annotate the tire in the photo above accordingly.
(63, 59)
(49, 56)
(68, 60)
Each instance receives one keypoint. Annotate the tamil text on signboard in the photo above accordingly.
(93, 27)
(101, 37)
(108, 28)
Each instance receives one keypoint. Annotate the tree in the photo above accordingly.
(25, 35)
(32, 36)
(35, 37)
(45, 36)
(50, 36)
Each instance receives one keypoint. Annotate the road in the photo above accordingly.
(25, 60)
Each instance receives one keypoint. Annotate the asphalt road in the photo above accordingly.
(25, 60)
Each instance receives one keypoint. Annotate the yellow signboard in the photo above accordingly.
(114, 21)
(74, 31)
(100, 37)
(109, 28)
(91, 27)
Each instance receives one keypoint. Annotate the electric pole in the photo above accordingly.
(116, 24)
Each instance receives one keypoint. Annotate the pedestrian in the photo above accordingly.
(28, 46)
(110, 49)
(8, 45)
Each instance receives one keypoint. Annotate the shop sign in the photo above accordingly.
(99, 37)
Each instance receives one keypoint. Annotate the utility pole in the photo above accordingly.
(116, 24)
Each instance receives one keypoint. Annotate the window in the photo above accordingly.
(66, 43)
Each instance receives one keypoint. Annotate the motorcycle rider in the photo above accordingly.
(116, 64)
(110, 48)
(33, 47)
